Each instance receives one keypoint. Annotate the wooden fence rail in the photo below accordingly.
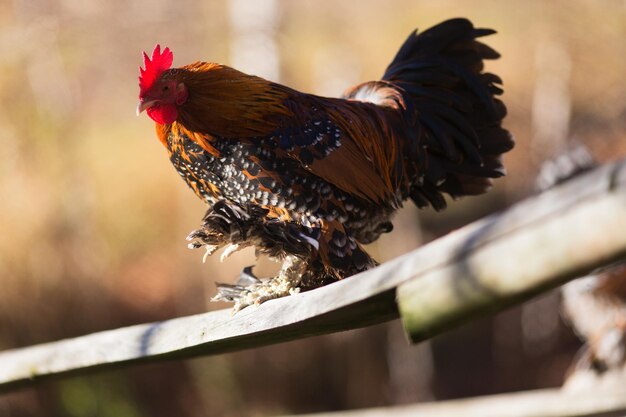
(600, 402)
(484, 267)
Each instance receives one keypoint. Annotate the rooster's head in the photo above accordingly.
(160, 92)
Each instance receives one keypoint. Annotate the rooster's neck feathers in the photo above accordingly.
(227, 103)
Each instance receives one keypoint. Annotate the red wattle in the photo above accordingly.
(163, 113)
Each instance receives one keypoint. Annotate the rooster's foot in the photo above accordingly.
(249, 290)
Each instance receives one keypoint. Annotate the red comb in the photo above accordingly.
(160, 62)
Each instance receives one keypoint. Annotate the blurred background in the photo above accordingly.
(93, 216)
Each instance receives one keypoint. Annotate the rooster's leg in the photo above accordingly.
(250, 290)
(223, 224)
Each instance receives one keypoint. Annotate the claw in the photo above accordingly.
(227, 292)
(230, 249)
(209, 251)
(247, 277)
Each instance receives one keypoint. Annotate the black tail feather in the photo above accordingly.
(441, 73)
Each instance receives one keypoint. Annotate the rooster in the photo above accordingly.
(307, 179)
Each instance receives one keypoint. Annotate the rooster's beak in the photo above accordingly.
(144, 105)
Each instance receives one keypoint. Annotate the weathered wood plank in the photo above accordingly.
(352, 303)
(203, 334)
(493, 273)
(540, 403)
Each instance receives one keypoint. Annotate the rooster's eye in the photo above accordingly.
(166, 87)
